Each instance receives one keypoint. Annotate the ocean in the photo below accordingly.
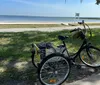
(12, 18)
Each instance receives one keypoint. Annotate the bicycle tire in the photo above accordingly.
(91, 56)
(52, 71)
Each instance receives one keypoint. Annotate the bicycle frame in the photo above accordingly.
(85, 44)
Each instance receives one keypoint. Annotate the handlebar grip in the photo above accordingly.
(81, 22)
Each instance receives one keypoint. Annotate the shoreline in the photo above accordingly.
(66, 23)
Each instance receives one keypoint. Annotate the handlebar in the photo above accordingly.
(83, 30)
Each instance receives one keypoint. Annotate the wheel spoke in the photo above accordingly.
(91, 57)
(54, 70)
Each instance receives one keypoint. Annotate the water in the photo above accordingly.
(7, 18)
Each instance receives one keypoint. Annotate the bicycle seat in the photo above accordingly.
(60, 37)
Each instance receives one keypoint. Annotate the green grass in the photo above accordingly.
(29, 25)
(15, 47)
(92, 24)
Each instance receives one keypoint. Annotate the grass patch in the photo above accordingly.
(29, 25)
(15, 47)
(92, 24)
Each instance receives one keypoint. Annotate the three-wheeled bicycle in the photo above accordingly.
(54, 68)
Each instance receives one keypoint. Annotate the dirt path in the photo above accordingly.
(83, 76)
(24, 73)
(91, 80)
(41, 29)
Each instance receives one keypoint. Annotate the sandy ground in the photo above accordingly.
(42, 22)
(49, 29)
(32, 22)
(91, 80)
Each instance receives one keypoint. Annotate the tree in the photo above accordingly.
(97, 1)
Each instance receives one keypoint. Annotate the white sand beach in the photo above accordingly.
(47, 29)
(44, 29)
(32, 22)
(42, 22)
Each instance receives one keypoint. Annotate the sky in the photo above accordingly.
(87, 8)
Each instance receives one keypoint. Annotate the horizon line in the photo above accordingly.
(48, 16)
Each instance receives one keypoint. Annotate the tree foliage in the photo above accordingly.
(97, 1)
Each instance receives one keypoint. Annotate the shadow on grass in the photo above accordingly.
(15, 60)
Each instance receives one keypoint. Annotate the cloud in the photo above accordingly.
(38, 4)
(25, 2)
(29, 2)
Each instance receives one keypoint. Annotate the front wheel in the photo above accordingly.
(91, 56)
(53, 70)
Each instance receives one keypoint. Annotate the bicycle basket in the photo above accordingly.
(78, 34)
(45, 49)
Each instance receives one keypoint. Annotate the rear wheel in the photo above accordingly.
(91, 56)
(54, 70)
